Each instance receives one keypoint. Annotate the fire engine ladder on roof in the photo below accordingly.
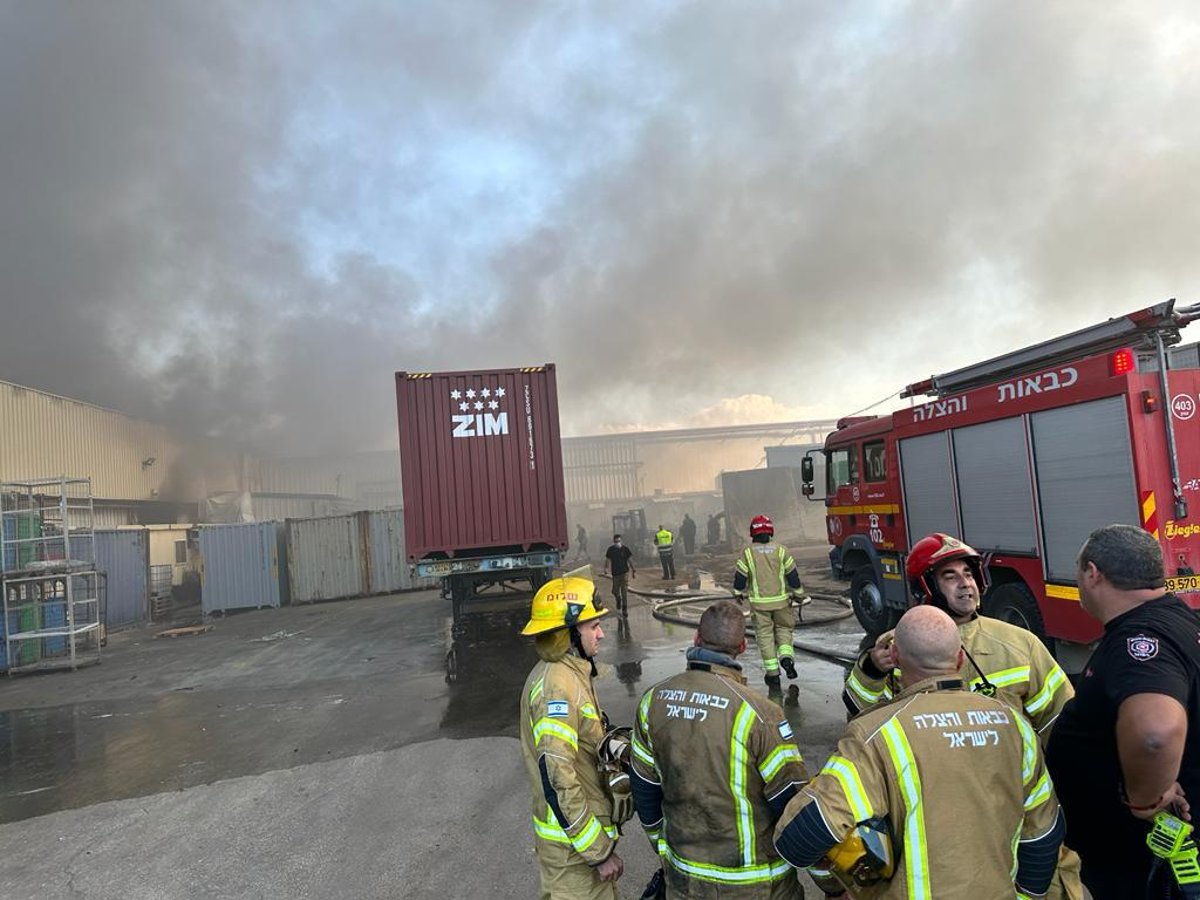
(1155, 327)
(1143, 329)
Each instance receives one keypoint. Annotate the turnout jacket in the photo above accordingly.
(561, 728)
(963, 783)
(714, 764)
(1025, 675)
(767, 572)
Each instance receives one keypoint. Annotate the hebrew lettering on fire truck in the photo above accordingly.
(1022, 456)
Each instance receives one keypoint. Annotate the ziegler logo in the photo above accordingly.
(479, 413)
(1181, 531)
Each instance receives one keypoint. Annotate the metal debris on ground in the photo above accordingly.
(275, 636)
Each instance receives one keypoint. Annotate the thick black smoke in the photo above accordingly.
(242, 218)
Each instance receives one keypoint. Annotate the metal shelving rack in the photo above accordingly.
(48, 580)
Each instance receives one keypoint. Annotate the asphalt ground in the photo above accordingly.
(364, 748)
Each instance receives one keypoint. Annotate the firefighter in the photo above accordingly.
(714, 764)
(665, 542)
(766, 573)
(1002, 660)
(562, 729)
(943, 793)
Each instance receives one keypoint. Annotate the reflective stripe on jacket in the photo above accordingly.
(766, 567)
(561, 728)
(1024, 673)
(665, 541)
(710, 757)
(934, 759)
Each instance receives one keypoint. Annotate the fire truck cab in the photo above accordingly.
(1022, 456)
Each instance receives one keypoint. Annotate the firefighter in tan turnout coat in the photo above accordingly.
(714, 764)
(946, 789)
(766, 574)
(562, 728)
(1002, 660)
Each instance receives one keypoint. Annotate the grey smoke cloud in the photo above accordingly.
(242, 218)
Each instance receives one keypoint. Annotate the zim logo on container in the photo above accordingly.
(1142, 647)
(479, 412)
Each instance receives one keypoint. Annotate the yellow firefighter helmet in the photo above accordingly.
(865, 857)
(561, 603)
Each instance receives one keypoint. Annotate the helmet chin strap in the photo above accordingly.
(577, 645)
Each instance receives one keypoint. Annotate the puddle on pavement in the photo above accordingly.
(447, 678)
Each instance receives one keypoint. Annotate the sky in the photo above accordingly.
(240, 219)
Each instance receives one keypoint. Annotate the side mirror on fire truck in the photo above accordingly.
(806, 474)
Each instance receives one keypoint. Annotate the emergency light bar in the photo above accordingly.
(1136, 330)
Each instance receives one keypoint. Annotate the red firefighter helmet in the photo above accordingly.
(930, 552)
(762, 525)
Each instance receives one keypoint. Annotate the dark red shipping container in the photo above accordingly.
(481, 462)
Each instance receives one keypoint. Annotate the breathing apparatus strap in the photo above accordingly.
(984, 687)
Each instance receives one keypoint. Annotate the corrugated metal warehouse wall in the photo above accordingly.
(44, 435)
(684, 461)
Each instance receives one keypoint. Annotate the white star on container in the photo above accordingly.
(485, 393)
(499, 392)
(470, 393)
(479, 404)
(464, 406)
(492, 404)
(455, 395)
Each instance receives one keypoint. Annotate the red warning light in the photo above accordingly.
(1122, 361)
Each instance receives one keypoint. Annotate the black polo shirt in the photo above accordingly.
(1152, 649)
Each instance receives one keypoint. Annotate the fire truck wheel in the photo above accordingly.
(1013, 603)
(873, 613)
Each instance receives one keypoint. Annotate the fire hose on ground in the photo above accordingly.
(664, 605)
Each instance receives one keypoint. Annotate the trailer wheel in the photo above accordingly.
(872, 610)
(1013, 603)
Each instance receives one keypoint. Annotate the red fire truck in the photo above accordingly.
(1022, 456)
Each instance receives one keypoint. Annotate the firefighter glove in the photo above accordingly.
(620, 793)
(615, 746)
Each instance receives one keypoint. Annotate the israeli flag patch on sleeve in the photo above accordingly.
(557, 708)
(785, 730)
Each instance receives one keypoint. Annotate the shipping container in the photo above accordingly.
(326, 559)
(482, 474)
(387, 562)
(242, 566)
(124, 556)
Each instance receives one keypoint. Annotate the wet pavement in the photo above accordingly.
(272, 690)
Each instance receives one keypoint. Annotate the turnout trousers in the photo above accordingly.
(773, 633)
(576, 881)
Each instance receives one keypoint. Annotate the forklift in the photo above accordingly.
(631, 525)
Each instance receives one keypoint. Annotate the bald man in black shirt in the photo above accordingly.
(1125, 746)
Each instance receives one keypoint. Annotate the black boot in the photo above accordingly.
(772, 680)
(789, 666)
